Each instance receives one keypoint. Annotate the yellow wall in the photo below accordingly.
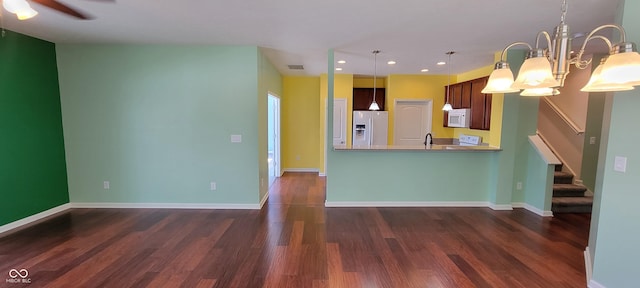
(300, 122)
(367, 82)
(343, 88)
(419, 87)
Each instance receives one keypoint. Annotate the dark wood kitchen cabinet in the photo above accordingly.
(479, 105)
(362, 98)
(469, 95)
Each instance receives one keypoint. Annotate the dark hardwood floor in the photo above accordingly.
(295, 242)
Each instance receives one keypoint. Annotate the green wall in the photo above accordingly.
(156, 122)
(593, 128)
(269, 81)
(32, 159)
(618, 229)
(538, 188)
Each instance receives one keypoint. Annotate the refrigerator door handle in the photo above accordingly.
(370, 131)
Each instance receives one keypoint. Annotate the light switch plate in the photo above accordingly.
(236, 138)
(592, 140)
(620, 164)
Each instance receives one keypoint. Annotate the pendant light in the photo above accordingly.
(447, 106)
(374, 106)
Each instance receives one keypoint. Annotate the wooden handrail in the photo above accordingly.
(564, 117)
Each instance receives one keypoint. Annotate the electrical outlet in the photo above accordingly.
(298, 157)
(106, 185)
(519, 185)
(592, 140)
(213, 186)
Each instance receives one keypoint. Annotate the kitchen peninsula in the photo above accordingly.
(434, 147)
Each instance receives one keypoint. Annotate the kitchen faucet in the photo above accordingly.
(428, 139)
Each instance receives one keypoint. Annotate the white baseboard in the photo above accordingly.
(587, 264)
(538, 211)
(264, 199)
(594, 284)
(404, 204)
(166, 205)
(34, 218)
(517, 205)
(304, 170)
(501, 207)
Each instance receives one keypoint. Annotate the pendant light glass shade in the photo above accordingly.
(535, 73)
(596, 84)
(540, 92)
(447, 107)
(500, 80)
(374, 106)
(21, 8)
(622, 68)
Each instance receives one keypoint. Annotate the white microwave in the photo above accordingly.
(459, 118)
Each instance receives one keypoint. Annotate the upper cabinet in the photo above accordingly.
(362, 98)
(469, 95)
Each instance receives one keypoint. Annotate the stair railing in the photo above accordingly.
(576, 129)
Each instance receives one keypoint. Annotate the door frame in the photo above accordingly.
(429, 109)
(277, 157)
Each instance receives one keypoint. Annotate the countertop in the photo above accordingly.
(434, 147)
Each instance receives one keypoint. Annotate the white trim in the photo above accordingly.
(264, 199)
(501, 207)
(538, 211)
(322, 174)
(587, 264)
(313, 170)
(166, 205)
(404, 204)
(594, 284)
(517, 205)
(34, 218)
(544, 150)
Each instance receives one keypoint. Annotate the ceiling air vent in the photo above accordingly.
(296, 67)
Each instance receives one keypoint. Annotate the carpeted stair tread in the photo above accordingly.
(571, 204)
(568, 190)
(561, 177)
(558, 167)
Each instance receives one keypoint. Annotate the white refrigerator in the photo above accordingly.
(370, 128)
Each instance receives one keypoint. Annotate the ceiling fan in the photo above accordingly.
(24, 11)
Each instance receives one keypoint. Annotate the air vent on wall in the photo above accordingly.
(296, 67)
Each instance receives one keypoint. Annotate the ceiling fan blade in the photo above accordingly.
(55, 5)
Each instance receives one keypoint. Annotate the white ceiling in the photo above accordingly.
(415, 33)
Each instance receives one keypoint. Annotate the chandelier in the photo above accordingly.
(545, 70)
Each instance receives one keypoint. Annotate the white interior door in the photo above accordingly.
(412, 121)
(339, 121)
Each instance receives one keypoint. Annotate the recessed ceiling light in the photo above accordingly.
(424, 70)
(391, 62)
(442, 63)
(341, 61)
(338, 69)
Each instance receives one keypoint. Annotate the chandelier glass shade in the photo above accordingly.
(21, 8)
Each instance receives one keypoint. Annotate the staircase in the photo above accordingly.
(569, 197)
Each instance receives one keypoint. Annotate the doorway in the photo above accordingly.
(412, 121)
(273, 137)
